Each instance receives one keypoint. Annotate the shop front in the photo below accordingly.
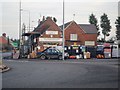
(49, 42)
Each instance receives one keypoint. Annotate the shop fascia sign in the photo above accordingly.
(91, 43)
(52, 32)
(50, 39)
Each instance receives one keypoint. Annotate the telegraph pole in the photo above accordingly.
(63, 38)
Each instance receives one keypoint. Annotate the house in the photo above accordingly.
(50, 34)
(5, 43)
(80, 34)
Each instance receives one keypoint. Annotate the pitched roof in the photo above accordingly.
(43, 26)
(89, 28)
(39, 27)
(65, 25)
(3, 40)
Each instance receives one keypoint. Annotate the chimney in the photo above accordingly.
(39, 21)
(4, 34)
(43, 18)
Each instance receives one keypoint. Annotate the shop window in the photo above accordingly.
(73, 37)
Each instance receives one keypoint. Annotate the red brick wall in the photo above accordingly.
(73, 28)
(53, 27)
(91, 37)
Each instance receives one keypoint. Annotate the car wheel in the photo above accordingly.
(60, 57)
(42, 57)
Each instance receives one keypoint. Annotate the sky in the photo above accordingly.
(9, 13)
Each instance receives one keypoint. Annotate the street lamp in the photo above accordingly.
(63, 37)
(29, 16)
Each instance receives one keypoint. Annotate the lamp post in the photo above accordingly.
(63, 37)
(20, 28)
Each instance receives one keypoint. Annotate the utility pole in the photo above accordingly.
(20, 28)
(63, 38)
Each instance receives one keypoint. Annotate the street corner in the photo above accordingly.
(4, 68)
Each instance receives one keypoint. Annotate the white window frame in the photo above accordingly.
(73, 37)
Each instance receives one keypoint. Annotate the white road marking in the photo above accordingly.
(16, 61)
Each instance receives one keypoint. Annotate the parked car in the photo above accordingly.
(50, 53)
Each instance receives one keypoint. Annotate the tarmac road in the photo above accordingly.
(61, 74)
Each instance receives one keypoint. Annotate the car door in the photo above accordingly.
(48, 53)
(54, 53)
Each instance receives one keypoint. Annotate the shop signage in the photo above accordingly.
(52, 32)
(50, 39)
(89, 43)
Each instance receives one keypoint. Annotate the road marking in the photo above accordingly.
(16, 61)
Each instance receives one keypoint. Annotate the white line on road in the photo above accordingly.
(16, 61)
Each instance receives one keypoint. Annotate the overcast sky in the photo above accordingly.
(9, 12)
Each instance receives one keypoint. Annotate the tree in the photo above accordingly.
(118, 28)
(105, 25)
(111, 40)
(93, 20)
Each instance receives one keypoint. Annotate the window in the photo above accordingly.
(73, 36)
(54, 51)
(49, 50)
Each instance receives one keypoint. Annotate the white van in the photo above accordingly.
(117, 44)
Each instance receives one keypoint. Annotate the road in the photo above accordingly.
(61, 74)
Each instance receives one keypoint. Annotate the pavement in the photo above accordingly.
(35, 73)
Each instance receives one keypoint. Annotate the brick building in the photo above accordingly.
(5, 43)
(50, 34)
(75, 34)
(80, 34)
